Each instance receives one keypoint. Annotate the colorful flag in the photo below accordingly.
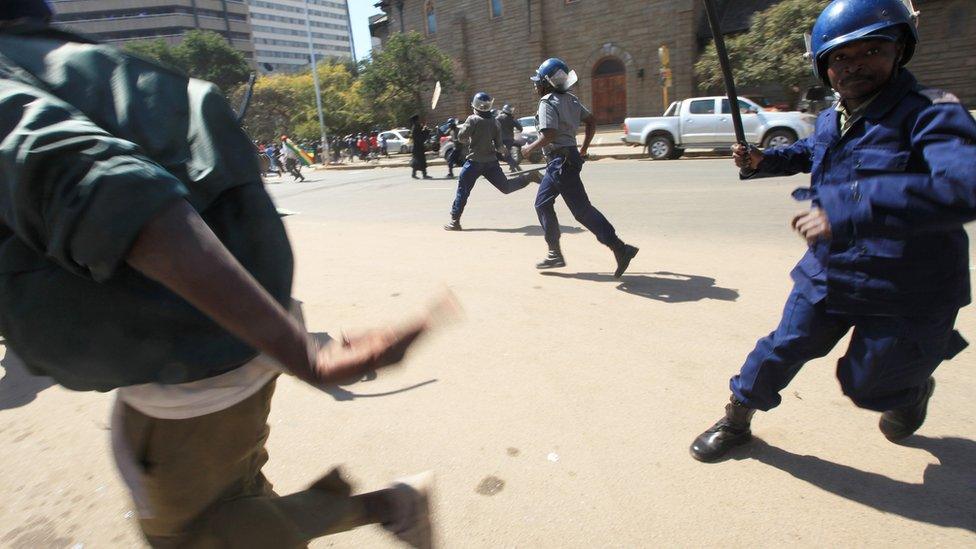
(303, 157)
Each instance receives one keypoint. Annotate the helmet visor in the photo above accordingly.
(482, 105)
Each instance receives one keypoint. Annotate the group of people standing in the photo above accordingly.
(363, 146)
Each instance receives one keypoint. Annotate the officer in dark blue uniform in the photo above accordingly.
(560, 114)
(506, 119)
(484, 136)
(455, 158)
(893, 169)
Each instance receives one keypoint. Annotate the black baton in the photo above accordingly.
(723, 59)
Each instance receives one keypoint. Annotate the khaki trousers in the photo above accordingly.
(202, 480)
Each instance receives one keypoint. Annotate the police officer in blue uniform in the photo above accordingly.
(559, 116)
(483, 133)
(455, 158)
(506, 119)
(893, 170)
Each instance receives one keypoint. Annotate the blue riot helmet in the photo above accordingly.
(482, 103)
(507, 109)
(556, 73)
(846, 21)
(17, 9)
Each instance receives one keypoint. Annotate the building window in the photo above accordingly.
(495, 8)
(431, 17)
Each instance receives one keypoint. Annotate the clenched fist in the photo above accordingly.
(812, 225)
(746, 157)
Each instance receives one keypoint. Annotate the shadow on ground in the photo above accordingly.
(18, 387)
(339, 393)
(944, 498)
(661, 286)
(528, 230)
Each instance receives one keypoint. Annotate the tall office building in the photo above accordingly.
(281, 35)
(128, 20)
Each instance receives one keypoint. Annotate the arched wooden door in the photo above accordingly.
(609, 91)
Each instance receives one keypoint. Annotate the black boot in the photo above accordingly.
(623, 254)
(554, 259)
(454, 225)
(730, 431)
(902, 422)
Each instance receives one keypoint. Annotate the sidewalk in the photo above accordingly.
(606, 144)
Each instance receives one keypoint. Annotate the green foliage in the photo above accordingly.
(398, 80)
(284, 104)
(382, 92)
(202, 54)
(157, 50)
(771, 51)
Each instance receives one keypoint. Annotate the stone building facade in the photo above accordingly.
(613, 45)
(946, 56)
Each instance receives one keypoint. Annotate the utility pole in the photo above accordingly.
(318, 91)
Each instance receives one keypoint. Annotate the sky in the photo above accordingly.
(359, 12)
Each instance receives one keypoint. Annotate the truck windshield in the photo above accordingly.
(672, 109)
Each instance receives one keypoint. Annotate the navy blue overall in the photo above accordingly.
(470, 173)
(563, 178)
(897, 188)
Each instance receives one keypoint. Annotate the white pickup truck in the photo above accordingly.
(706, 122)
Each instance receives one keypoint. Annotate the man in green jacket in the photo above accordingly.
(140, 251)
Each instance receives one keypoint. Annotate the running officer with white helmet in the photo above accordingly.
(484, 136)
(559, 116)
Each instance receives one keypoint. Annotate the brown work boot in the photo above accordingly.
(411, 499)
(731, 431)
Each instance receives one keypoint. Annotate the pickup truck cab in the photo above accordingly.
(706, 123)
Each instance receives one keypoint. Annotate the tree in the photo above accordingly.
(207, 55)
(202, 54)
(771, 51)
(285, 104)
(157, 50)
(397, 79)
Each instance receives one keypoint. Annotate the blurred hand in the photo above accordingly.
(746, 157)
(812, 225)
(355, 355)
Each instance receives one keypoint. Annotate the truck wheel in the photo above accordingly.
(779, 138)
(660, 147)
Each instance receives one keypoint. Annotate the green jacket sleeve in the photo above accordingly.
(70, 190)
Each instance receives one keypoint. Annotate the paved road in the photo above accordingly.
(558, 414)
